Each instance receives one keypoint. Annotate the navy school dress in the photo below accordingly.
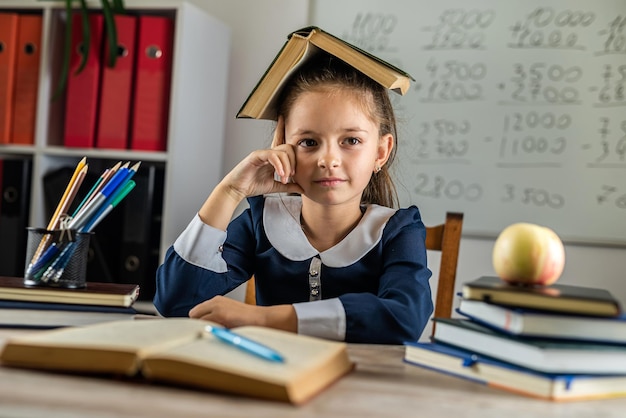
(372, 287)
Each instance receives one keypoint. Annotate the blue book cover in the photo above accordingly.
(534, 323)
(486, 370)
(548, 355)
(41, 315)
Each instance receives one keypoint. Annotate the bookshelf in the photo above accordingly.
(192, 160)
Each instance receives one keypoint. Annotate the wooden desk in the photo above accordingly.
(381, 386)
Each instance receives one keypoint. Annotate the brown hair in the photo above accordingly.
(329, 72)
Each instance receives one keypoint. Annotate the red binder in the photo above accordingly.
(116, 88)
(81, 104)
(152, 83)
(26, 79)
(8, 40)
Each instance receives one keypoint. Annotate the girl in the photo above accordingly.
(330, 257)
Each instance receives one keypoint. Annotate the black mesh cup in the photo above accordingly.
(61, 258)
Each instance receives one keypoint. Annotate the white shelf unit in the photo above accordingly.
(196, 129)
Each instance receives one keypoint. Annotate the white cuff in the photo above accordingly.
(322, 318)
(201, 245)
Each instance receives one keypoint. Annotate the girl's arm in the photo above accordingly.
(231, 313)
(403, 304)
(252, 177)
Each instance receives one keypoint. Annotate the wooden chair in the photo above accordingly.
(445, 238)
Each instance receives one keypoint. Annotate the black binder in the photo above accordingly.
(15, 179)
(141, 234)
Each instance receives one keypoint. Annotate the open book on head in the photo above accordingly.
(301, 47)
(181, 351)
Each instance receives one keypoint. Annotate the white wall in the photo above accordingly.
(259, 28)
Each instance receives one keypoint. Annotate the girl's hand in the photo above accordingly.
(226, 312)
(231, 313)
(252, 177)
(255, 175)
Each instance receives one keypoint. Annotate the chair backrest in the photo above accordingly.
(445, 238)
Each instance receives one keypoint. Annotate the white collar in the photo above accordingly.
(281, 218)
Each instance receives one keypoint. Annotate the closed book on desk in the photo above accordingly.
(15, 180)
(26, 79)
(535, 323)
(81, 106)
(8, 56)
(104, 294)
(179, 351)
(116, 89)
(556, 298)
(498, 374)
(544, 355)
(39, 315)
(152, 83)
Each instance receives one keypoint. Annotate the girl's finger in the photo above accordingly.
(279, 133)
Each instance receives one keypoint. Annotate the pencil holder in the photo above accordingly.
(56, 258)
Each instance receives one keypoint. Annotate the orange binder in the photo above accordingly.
(8, 40)
(116, 88)
(26, 79)
(152, 83)
(81, 104)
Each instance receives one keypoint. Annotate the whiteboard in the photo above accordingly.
(517, 112)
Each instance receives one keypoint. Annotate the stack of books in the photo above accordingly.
(51, 307)
(557, 342)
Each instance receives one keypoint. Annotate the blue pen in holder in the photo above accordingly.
(56, 258)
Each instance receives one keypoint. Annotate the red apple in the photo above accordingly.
(529, 254)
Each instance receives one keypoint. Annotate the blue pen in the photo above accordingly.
(57, 268)
(88, 210)
(51, 252)
(108, 206)
(245, 344)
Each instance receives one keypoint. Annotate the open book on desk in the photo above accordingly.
(180, 351)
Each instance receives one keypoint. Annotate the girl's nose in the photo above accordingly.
(329, 158)
(328, 162)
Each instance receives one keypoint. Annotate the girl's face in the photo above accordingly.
(337, 146)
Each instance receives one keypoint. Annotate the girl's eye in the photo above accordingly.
(307, 142)
(352, 141)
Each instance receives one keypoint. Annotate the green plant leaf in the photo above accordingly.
(84, 14)
(109, 9)
(65, 66)
(118, 6)
(111, 30)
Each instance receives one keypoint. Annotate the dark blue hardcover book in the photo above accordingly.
(41, 315)
(534, 323)
(544, 354)
(482, 369)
